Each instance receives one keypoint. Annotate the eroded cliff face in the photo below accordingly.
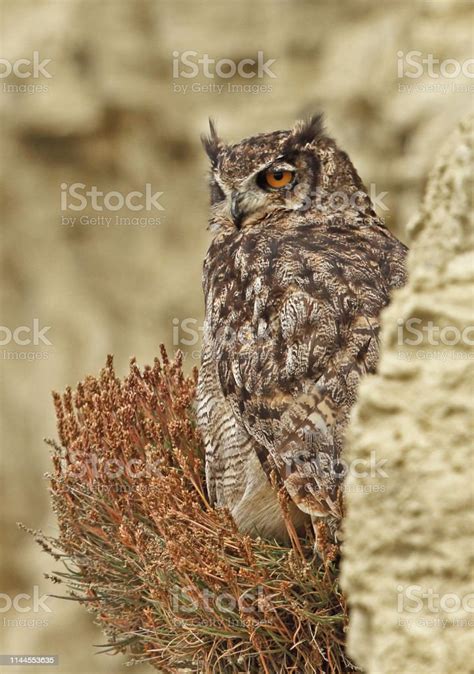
(408, 535)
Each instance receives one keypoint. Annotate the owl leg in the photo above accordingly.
(317, 545)
(325, 538)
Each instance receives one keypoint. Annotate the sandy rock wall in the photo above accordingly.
(408, 534)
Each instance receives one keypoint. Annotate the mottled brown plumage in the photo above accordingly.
(295, 278)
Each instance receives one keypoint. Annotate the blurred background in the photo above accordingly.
(106, 96)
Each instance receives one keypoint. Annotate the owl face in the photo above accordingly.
(263, 175)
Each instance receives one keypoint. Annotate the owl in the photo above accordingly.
(295, 278)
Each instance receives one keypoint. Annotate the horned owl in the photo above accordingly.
(298, 271)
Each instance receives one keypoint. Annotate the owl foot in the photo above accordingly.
(325, 546)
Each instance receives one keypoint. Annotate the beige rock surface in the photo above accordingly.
(409, 530)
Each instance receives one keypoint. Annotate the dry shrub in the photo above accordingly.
(170, 579)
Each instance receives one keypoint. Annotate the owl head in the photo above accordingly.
(281, 173)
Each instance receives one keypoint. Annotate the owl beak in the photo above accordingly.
(236, 210)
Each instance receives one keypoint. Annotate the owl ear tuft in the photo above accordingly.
(307, 130)
(212, 143)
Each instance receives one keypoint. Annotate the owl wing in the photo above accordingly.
(291, 377)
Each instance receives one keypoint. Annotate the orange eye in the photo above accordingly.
(278, 179)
